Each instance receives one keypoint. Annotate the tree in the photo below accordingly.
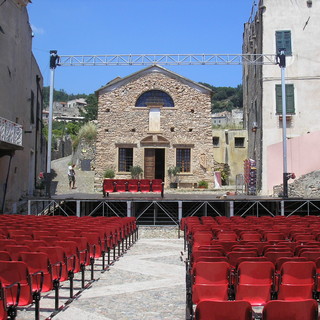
(225, 98)
(91, 109)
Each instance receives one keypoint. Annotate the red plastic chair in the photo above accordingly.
(255, 281)
(273, 255)
(38, 265)
(280, 261)
(108, 186)
(14, 251)
(17, 286)
(293, 310)
(133, 185)
(211, 281)
(157, 185)
(233, 256)
(3, 304)
(121, 185)
(5, 256)
(297, 280)
(220, 310)
(145, 185)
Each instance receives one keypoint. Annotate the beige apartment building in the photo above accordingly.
(295, 27)
(155, 119)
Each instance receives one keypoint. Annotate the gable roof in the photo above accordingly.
(118, 82)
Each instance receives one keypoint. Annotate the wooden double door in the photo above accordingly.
(154, 163)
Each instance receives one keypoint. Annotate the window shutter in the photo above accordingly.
(283, 41)
(289, 99)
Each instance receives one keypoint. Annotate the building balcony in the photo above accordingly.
(10, 135)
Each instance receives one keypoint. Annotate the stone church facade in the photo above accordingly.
(155, 119)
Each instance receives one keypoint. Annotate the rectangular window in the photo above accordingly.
(183, 160)
(32, 107)
(283, 42)
(289, 99)
(238, 142)
(125, 159)
(215, 141)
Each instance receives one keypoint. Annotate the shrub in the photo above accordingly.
(109, 174)
(203, 184)
(88, 132)
(136, 172)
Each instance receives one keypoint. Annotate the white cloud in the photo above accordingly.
(37, 30)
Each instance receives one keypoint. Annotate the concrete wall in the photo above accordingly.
(300, 160)
(19, 77)
(227, 152)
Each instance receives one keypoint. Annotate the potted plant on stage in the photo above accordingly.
(174, 179)
(202, 184)
(109, 174)
(136, 172)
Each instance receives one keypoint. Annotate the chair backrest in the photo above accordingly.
(310, 255)
(16, 272)
(293, 272)
(212, 272)
(293, 310)
(255, 272)
(218, 310)
(233, 256)
(273, 255)
(280, 261)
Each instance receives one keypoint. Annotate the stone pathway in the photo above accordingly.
(146, 283)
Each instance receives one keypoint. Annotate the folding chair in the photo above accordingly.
(297, 280)
(108, 186)
(233, 256)
(145, 185)
(3, 304)
(17, 286)
(255, 282)
(133, 185)
(14, 251)
(121, 185)
(58, 267)
(157, 185)
(5, 256)
(223, 310)
(274, 255)
(293, 310)
(211, 281)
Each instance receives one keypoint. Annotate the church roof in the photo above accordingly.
(118, 82)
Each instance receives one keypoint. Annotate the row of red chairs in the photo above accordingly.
(255, 282)
(242, 310)
(132, 185)
(51, 250)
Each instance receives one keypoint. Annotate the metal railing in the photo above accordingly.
(10, 132)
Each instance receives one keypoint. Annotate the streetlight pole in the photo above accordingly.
(54, 58)
(282, 65)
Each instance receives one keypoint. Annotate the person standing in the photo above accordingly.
(71, 176)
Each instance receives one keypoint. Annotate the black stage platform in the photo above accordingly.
(152, 209)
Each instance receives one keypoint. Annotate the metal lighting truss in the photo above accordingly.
(166, 59)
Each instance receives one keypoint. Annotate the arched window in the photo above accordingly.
(154, 97)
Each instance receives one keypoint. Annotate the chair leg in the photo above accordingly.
(71, 276)
(36, 299)
(56, 284)
(12, 312)
(92, 269)
(82, 267)
(103, 260)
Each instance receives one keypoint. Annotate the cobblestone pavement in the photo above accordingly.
(146, 283)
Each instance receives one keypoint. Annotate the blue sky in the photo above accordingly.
(75, 27)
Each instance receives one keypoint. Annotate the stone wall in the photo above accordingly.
(307, 186)
(187, 124)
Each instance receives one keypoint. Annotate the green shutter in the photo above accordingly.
(289, 99)
(283, 41)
